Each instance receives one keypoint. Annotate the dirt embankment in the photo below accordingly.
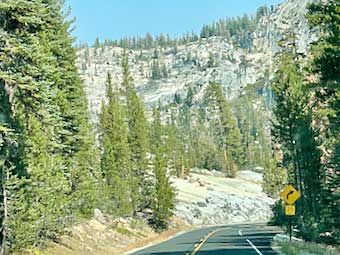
(104, 237)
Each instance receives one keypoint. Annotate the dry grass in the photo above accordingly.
(95, 238)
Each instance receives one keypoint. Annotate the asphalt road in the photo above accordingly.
(245, 239)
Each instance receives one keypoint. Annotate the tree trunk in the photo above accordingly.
(5, 219)
(225, 156)
(182, 174)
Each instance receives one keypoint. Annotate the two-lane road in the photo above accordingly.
(243, 239)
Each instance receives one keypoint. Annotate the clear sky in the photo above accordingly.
(113, 19)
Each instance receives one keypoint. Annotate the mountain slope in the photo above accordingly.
(197, 63)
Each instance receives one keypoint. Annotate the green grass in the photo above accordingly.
(138, 224)
(295, 248)
(124, 231)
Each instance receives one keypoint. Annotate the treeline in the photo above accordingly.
(52, 174)
(207, 137)
(134, 155)
(48, 162)
(238, 30)
(147, 42)
(307, 127)
(215, 134)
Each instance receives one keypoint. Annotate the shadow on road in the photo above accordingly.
(222, 251)
(233, 240)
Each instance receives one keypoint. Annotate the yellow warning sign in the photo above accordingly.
(290, 195)
(290, 210)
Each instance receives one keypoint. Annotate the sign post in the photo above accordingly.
(290, 195)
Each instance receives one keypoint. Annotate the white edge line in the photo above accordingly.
(254, 247)
(240, 232)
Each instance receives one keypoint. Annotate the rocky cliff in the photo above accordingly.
(194, 65)
(197, 63)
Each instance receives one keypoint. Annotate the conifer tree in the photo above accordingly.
(163, 202)
(138, 141)
(156, 72)
(77, 137)
(96, 43)
(115, 159)
(175, 148)
(324, 15)
(34, 115)
(224, 127)
(294, 131)
(45, 107)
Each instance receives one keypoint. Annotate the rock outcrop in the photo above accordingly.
(222, 200)
(196, 64)
(188, 64)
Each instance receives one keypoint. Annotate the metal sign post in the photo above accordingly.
(290, 228)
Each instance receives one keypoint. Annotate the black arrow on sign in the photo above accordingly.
(290, 193)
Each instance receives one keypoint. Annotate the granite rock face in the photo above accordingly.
(188, 65)
(206, 197)
(222, 200)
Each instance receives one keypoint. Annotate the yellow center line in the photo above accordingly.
(199, 246)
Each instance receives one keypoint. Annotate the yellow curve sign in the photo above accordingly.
(290, 195)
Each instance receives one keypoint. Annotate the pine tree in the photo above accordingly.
(35, 117)
(156, 72)
(184, 120)
(224, 127)
(96, 43)
(45, 106)
(294, 131)
(12, 198)
(253, 124)
(211, 60)
(115, 159)
(77, 137)
(138, 141)
(163, 203)
(324, 15)
(175, 148)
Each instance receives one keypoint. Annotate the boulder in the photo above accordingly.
(258, 169)
(201, 204)
(99, 216)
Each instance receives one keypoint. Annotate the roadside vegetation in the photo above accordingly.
(301, 248)
(57, 168)
(306, 127)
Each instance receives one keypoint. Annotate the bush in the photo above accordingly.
(279, 217)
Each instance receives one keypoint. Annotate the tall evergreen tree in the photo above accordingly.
(163, 202)
(115, 159)
(293, 129)
(324, 15)
(138, 141)
(77, 138)
(224, 127)
(45, 107)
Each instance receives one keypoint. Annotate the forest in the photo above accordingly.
(306, 126)
(238, 30)
(55, 170)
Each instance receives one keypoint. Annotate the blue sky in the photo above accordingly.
(113, 19)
